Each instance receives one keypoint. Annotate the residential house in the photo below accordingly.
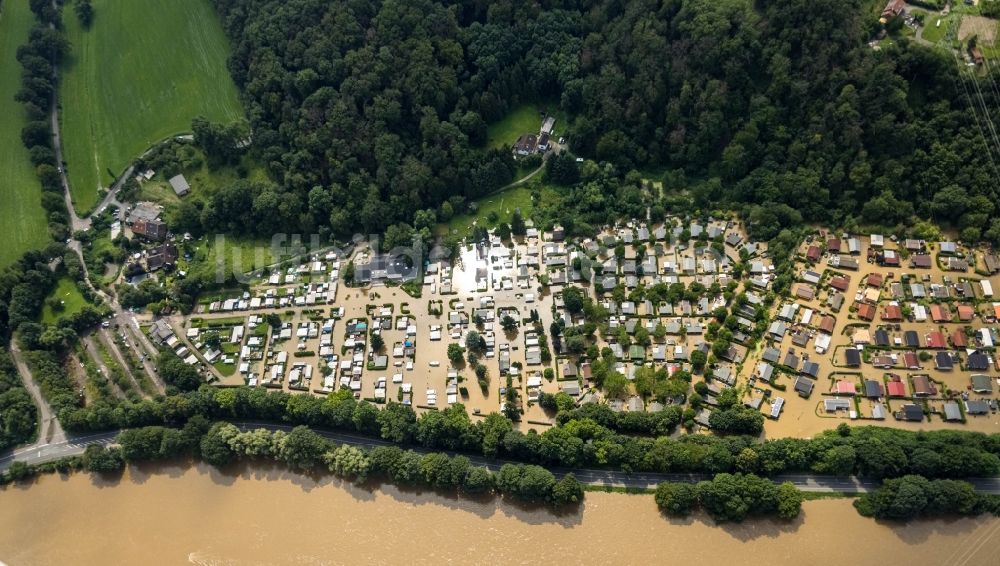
(150, 229)
(920, 261)
(852, 357)
(976, 407)
(896, 388)
(982, 384)
(804, 386)
(873, 389)
(910, 412)
(923, 386)
(866, 311)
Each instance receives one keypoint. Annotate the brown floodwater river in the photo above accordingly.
(197, 515)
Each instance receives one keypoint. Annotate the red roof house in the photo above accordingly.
(840, 282)
(896, 388)
(966, 313)
(866, 312)
(827, 324)
(813, 253)
(935, 340)
(940, 314)
(911, 361)
(875, 280)
(845, 387)
(893, 8)
(892, 312)
(959, 339)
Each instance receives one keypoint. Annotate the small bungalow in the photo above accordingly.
(943, 361)
(935, 339)
(982, 384)
(834, 405)
(952, 412)
(827, 324)
(959, 339)
(765, 371)
(920, 261)
(873, 389)
(866, 311)
(923, 386)
(977, 361)
(976, 407)
(810, 368)
(948, 248)
(966, 313)
(896, 388)
(845, 387)
(882, 337)
(892, 313)
(804, 386)
(910, 412)
(852, 357)
(771, 355)
(940, 313)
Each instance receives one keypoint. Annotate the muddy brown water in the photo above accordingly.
(197, 515)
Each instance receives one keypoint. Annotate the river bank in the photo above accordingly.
(261, 515)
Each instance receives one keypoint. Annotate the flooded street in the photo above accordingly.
(199, 516)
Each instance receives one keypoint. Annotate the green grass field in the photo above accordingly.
(138, 75)
(73, 302)
(523, 119)
(22, 219)
(933, 32)
(240, 254)
(503, 203)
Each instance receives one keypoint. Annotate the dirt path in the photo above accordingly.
(49, 429)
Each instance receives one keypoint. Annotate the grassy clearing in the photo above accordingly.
(73, 302)
(232, 253)
(934, 32)
(225, 369)
(100, 245)
(22, 219)
(523, 119)
(816, 495)
(503, 204)
(203, 181)
(140, 74)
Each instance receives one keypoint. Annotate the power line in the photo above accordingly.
(975, 114)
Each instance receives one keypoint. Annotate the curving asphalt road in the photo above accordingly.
(593, 477)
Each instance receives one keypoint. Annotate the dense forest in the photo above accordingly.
(367, 112)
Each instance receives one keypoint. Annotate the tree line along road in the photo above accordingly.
(75, 445)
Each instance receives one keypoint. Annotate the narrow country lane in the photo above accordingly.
(50, 430)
